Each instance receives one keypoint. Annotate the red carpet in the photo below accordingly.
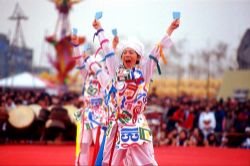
(42, 155)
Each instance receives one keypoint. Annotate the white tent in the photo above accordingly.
(24, 80)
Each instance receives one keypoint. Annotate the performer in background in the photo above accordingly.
(93, 114)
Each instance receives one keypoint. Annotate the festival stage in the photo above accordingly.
(64, 155)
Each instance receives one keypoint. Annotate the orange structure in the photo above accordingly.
(60, 39)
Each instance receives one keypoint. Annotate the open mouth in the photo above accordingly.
(128, 61)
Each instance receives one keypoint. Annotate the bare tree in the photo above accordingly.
(177, 52)
(220, 53)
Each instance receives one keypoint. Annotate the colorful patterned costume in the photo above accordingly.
(92, 115)
(131, 86)
(130, 102)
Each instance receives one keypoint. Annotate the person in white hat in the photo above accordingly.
(130, 80)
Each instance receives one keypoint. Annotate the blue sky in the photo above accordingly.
(203, 22)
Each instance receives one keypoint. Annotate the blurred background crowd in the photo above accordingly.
(35, 116)
(186, 121)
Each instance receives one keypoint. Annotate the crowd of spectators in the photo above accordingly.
(52, 122)
(184, 121)
(188, 121)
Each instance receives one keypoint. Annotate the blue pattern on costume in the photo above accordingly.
(94, 112)
(130, 101)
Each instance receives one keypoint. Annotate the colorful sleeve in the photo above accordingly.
(80, 64)
(110, 59)
(153, 59)
(101, 74)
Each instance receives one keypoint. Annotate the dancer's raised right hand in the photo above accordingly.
(96, 24)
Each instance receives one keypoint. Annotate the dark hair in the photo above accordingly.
(138, 58)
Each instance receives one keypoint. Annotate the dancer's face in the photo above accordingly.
(129, 58)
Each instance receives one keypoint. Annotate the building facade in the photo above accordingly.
(14, 59)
